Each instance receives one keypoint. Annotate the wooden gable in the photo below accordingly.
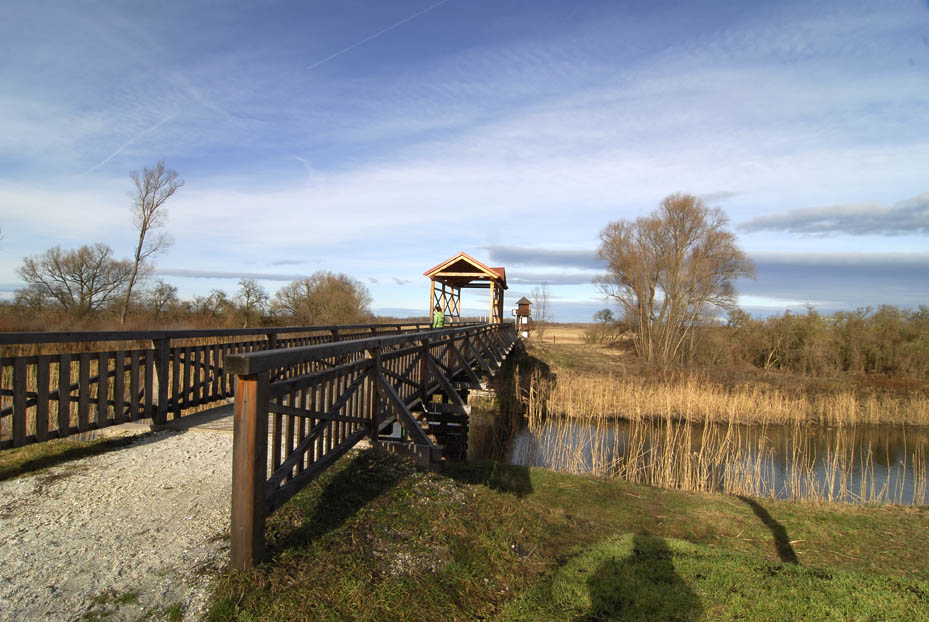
(462, 271)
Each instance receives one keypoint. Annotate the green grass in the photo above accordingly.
(376, 539)
(631, 577)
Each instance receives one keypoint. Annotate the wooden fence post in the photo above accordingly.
(162, 362)
(249, 470)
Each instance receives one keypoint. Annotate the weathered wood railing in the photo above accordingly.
(54, 385)
(295, 424)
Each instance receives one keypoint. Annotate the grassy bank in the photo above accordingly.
(375, 539)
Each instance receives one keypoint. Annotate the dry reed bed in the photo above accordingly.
(693, 436)
(722, 458)
(591, 396)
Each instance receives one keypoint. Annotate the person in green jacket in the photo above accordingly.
(438, 318)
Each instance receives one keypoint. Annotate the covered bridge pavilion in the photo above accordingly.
(462, 271)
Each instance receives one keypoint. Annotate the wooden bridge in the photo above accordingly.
(320, 401)
(58, 384)
(303, 395)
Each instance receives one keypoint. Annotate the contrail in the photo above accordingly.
(129, 142)
(376, 35)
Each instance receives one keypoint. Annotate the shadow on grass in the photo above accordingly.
(785, 551)
(342, 494)
(39, 456)
(642, 586)
(495, 475)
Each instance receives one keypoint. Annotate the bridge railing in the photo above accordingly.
(298, 410)
(54, 385)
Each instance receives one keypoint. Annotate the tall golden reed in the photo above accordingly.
(589, 396)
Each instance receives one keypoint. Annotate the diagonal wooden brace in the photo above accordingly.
(480, 359)
(406, 419)
(466, 365)
(449, 390)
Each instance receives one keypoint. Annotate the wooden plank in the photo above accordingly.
(19, 401)
(289, 434)
(249, 471)
(301, 429)
(103, 369)
(162, 351)
(42, 378)
(176, 396)
(83, 392)
(64, 395)
(134, 385)
(201, 379)
(275, 435)
(190, 369)
(330, 399)
(152, 409)
(313, 415)
(223, 348)
(214, 372)
(119, 395)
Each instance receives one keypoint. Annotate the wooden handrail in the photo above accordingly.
(8, 338)
(256, 362)
(299, 424)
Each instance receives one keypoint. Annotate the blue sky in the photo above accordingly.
(379, 138)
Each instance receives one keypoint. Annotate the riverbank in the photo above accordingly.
(593, 381)
(374, 539)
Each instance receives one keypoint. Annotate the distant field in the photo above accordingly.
(563, 333)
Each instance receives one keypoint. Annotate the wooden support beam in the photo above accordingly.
(249, 470)
(465, 364)
(480, 359)
(404, 416)
(449, 391)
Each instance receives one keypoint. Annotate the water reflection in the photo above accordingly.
(880, 464)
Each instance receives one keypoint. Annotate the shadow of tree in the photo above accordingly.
(642, 586)
(495, 475)
(785, 551)
(368, 476)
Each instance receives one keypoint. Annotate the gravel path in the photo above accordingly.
(130, 533)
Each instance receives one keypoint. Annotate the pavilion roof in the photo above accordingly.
(462, 270)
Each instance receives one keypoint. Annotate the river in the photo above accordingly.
(870, 464)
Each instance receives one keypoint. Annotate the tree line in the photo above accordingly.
(671, 274)
(887, 341)
(89, 286)
(323, 298)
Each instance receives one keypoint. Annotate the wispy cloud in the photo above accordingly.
(552, 278)
(223, 274)
(907, 217)
(718, 197)
(400, 281)
(522, 256)
(287, 262)
(376, 34)
(120, 149)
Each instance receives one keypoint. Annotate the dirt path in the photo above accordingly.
(118, 536)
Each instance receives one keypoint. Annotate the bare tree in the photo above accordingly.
(152, 189)
(214, 306)
(542, 310)
(324, 298)
(252, 298)
(79, 281)
(667, 270)
(161, 297)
